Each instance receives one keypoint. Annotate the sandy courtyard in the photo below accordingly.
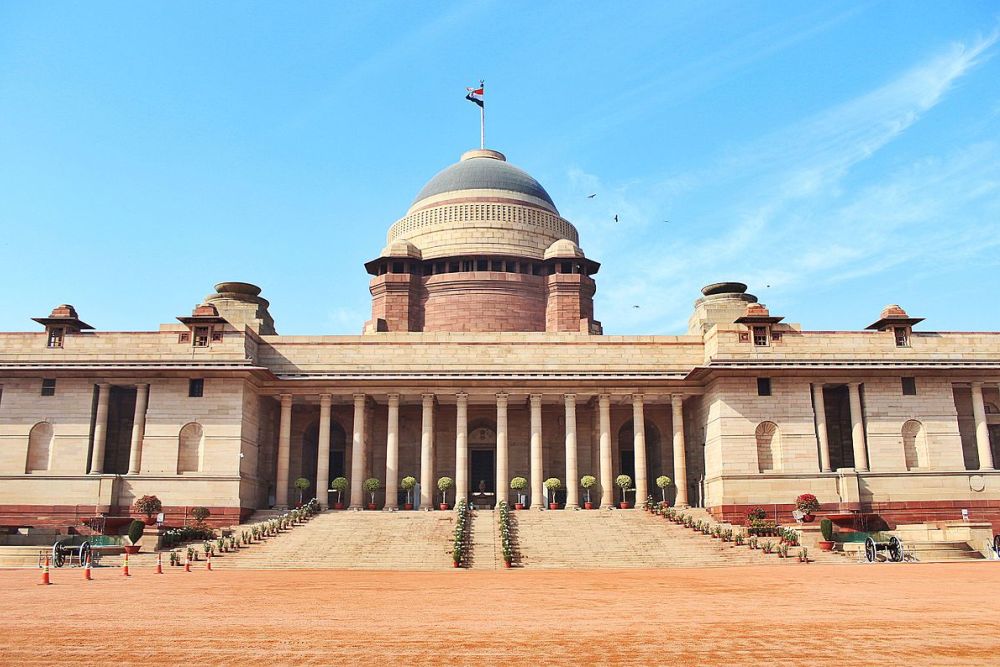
(802, 615)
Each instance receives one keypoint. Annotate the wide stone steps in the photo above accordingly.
(485, 553)
(353, 540)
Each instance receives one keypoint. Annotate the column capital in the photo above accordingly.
(393, 398)
(359, 399)
(536, 399)
(638, 398)
(604, 399)
(428, 399)
(142, 384)
(107, 385)
(325, 400)
(461, 396)
(286, 399)
(976, 385)
(854, 384)
(677, 400)
(502, 397)
(569, 398)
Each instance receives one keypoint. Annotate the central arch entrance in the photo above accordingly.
(482, 463)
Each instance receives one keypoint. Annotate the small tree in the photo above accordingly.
(371, 486)
(302, 484)
(407, 483)
(552, 484)
(663, 482)
(587, 481)
(200, 514)
(624, 482)
(339, 485)
(444, 484)
(148, 506)
(135, 531)
(826, 527)
(519, 484)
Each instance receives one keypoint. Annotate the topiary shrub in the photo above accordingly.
(302, 484)
(519, 484)
(200, 514)
(339, 485)
(444, 484)
(552, 484)
(587, 481)
(826, 527)
(624, 482)
(663, 482)
(135, 531)
(407, 484)
(372, 485)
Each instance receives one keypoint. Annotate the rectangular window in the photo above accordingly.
(48, 387)
(902, 339)
(200, 337)
(909, 386)
(56, 337)
(511, 267)
(760, 336)
(184, 337)
(482, 265)
(763, 386)
(196, 388)
(216, 336)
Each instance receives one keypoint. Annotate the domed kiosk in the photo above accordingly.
(482, 248)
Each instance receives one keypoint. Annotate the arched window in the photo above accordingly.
(768, 447)
(190, 448)
(914, 444)
(39, 447)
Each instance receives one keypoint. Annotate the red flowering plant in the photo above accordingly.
(807, 503)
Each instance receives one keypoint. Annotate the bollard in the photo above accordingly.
(208, 566)
(125, 567)
(159, 563)
(86, 570)
(45, 572)
(187, 562)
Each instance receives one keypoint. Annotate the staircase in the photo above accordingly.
(485, 541)
(623, 539)
(353, 540)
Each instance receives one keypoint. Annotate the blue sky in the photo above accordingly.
(835, 156)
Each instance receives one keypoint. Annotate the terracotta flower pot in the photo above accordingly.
(553, 506)
(625, 506)
(455, 563)
(588, 505)
(149, 520)
(519, 506)
(443, 507)
(338, 506)
(408, 506)
(131, 548)
(506, 563)
(809, 518)
(825, 546)
(371, 506)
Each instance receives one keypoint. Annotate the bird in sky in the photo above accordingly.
(591, 196)
(616, 217)
(635, 306)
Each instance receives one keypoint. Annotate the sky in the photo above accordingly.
(835, 156)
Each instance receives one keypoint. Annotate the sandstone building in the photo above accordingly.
(482, 361)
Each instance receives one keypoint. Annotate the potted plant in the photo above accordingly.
(301, 484)
(200, 514)
(624, 482)
(826, 527)
(808, 505)
(552, 484)
(663, 482)
(407, 484)
(149, 506)
(372, 485)
(134, 535)
(587, 481)
(519, 484)
(340, 486)
(444, 484)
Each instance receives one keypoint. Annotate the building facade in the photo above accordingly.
(483, 361)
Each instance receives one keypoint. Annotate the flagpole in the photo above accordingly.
(482, 117)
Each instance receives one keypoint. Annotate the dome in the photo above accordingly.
(563, 249)
(485, 170)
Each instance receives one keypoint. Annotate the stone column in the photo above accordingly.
(572, 469)
(461, 446)
(857, 428)
(607, 479)
(392, 455)
(537, 499)
(821, 434)
(100, 429)
(358, 453)
(639, 447)
(503, 480)
(427, 487)
(284, 450)
(680, 455)
(982, 429)
(138, 428)
(323, 452)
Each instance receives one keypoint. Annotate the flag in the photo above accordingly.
(476, 94)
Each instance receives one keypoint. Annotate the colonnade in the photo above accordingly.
(101, 429)
(358, 463)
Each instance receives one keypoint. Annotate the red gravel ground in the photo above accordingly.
(789, 615)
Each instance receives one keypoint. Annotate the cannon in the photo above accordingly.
(893, 550)
(64, 551)
(996, 546)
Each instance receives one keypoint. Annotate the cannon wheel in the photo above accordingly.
(895, 550)
(85, 554)
(870, 550)
(996, 545)
(58, 559)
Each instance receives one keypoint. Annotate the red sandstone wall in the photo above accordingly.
(570, 298)
(483, 301)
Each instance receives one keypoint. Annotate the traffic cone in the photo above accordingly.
(187, 562)
(125, 567)
(45, 573)
(208, 566)
(159, 563)
(86, 570)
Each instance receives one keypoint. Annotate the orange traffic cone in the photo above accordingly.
(86, 570)
(125, 567)
(159, 563)
(208, 565)
(187, 562)
(45, 573)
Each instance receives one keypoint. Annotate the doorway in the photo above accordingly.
(482, 471)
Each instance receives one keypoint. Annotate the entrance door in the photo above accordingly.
(482, 477)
